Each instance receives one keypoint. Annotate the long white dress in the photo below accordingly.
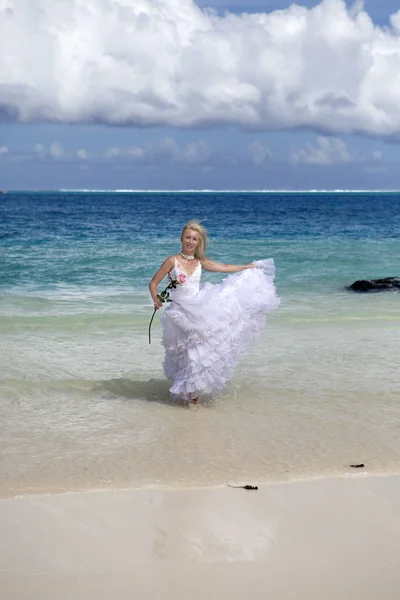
(207, 327)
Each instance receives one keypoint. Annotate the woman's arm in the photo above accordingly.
(165, 268)
(215, 267)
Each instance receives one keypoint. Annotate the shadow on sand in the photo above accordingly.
(152, 390)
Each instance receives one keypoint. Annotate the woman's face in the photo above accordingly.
(190, 241)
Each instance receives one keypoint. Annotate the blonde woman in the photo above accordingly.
(207, 327)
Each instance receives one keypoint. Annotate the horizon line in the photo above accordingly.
(201, 191)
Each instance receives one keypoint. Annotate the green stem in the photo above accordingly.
(150, 325)
(164, 298)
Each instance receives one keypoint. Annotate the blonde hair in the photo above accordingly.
(202, 231)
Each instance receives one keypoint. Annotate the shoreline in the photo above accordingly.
(324, 538)
(175, 487)
(356, 473)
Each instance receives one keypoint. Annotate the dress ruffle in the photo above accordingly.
(206, 328)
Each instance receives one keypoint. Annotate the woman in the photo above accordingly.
(206, 328)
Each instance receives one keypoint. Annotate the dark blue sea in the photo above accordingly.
(83, 400)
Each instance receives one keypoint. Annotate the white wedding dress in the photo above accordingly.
(207, 327)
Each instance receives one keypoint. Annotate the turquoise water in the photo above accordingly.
(83, 401)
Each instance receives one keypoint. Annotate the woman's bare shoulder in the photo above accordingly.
(170, 260)
(167, 265)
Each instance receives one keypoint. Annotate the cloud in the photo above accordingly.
(334, 151)
(82, 154)
(3, 150)
(168, 62)
(325, 151)
(197, 152)
(165, 150)
(56, 150)
(259, 152)
(40, 150)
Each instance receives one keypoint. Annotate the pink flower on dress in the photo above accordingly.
(181, 278)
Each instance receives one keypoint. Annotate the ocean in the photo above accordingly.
(83, 400)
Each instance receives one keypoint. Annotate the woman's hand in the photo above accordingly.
(157, 304)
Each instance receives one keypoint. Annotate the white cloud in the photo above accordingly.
(197, 152)
(166, 149)
(56, 150)
(259, 152)
(135, 152)
(112, 152)
(325, 151)
(167, 62)
(82, 154)
(3, 150)
(40, 150)
(395, 20)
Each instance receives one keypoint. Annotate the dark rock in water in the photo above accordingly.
(375, 285)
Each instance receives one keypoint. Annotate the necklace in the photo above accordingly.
(187, 256)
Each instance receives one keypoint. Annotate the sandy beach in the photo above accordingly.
(331, 539)
(109, 490)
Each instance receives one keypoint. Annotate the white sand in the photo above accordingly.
(328, 540)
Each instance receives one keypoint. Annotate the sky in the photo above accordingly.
(177, 94)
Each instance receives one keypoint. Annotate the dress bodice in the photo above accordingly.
(187, 283)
